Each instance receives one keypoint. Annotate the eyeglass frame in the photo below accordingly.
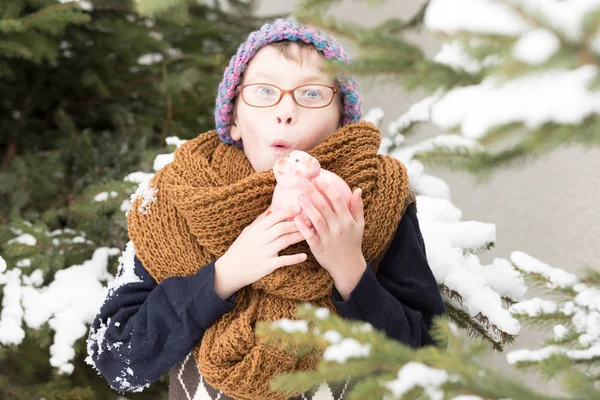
(240, 89)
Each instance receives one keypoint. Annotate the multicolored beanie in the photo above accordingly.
(280, 30)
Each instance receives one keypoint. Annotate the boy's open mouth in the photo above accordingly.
(280, 144)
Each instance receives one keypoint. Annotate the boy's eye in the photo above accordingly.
(312, 94)
(265, 91)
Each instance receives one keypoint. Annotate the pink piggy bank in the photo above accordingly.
(289, 172)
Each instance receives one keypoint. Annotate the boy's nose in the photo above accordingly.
(286, 110)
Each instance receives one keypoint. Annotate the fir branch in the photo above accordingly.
(544, 320)
(473, 329)
(479, 250)
(149, 8)
(11, 25)
(47, 10)
(546, 138)
(11, 390)
(23, 51)
(591, 277)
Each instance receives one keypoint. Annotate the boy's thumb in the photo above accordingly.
(356, 206)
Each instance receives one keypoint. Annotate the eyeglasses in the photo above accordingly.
(264, 95)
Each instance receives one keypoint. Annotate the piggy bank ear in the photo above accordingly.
(314, 168)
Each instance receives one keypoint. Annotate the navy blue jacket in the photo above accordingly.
(144, 328)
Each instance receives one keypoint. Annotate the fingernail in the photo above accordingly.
(296, 209)
(304, 182)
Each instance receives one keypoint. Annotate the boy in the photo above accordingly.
(210, 263)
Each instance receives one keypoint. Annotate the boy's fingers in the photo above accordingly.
(280, 215)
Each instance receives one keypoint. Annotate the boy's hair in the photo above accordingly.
(280, 34)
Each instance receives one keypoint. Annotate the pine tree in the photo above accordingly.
(90, 90)
(501, 89)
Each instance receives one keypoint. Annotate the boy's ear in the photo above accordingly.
(234, 131)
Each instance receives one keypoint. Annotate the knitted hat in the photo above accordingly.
(282, 29)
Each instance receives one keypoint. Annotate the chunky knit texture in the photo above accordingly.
(282, 29)
(208, 195)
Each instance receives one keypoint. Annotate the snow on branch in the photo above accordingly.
(577, 336)
(68, 304)
(451, 244)
(525, 85)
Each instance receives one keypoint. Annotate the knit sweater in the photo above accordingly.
(144, 329)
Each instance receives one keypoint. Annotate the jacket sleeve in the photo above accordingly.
(403, 296)
(144, 328)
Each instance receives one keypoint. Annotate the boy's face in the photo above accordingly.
(302, 128)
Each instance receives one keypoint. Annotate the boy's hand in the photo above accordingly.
(254, 254)
(336, 237)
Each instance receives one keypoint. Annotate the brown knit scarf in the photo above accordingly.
(206, 197)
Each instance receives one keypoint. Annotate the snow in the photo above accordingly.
(150, 58)
(366, 327)
(590, 298)
(103, 196)
(174, 52)
(333, 337)
(516, 356)
(493, 17)
(479, 16)
(36, 278)
(345, 349)
(85, 5)
(374, 116)
(322, 312)
(126, 271)
(147, 193)
(536, 46)
(24, 263)
(96, 336)
(78, 239)
(156, 35)
(413, 375)
(454, 55)
(563, 16)
(68, 305)
(2, 265)
(125, 206)
(163, 159)
(534, 307)
(25, 239)
(174, 141)
(559, 331)
(11, 329)
(138, 177)
(556, 277)
(291, 326)
(559, 96)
